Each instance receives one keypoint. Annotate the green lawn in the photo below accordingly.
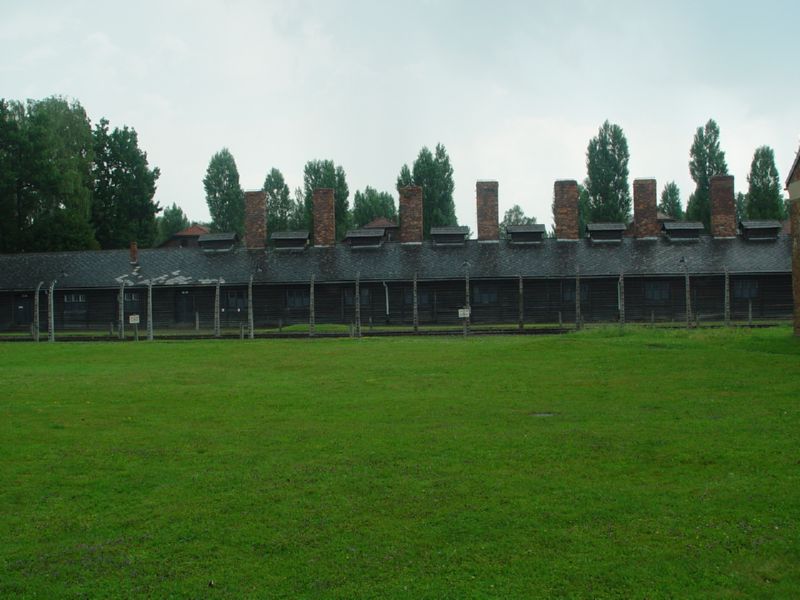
(647, 464)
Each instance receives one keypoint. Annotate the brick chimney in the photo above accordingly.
(566, 209)
(134, 253)
(255, 219)
(723, 207)
(645, 215)
(324, 217)
(486, 198)
(411, 214)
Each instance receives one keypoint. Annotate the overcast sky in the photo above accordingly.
(514, 90)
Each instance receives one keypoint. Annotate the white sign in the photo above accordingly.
(133, 319)
(463, 313)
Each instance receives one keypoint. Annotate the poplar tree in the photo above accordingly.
(706, 160)
(607, 175)
(433, 172)
(764, 197)
(279, 202)
(670, 203)
(224, 195)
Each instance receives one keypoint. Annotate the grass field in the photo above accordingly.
(598, 464)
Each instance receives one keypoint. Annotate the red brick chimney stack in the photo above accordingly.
(723, 207)
(486, 198)
(645, 215)
(566, 209)
(255, 219)
(324, 217)
(411, 214)
(134, 253)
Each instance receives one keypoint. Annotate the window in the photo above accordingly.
(423, 297)
(657, 292)
(131, 301)
(484, 294)
(74, 306)
(349, 294)
(745, 289)
(298, 298)
(234, 300)
(568, 292)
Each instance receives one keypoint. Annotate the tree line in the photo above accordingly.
(288, 210)
(604, 196)
(68, 185)
(65, 185)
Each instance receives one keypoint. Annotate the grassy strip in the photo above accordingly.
(607, 463)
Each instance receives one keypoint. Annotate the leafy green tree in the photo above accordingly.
(741, 206)
(298, 218)
(514, 216)
(172, 220)
(224, 195)
(705, 161)
(764, 197)
(433, 172)
(279, 202)
(123, 209)
(371, 204)
(45, 176)
(670, 203)
(607, 175)
(324, 174)
(14, 213)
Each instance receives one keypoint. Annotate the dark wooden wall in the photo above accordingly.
(544, 301)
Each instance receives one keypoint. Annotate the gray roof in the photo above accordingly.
(372, 232)
(218, 237)
(394, 261)
(752, 224)
(534, 228)
(452, 230)
(289, 235)
(606, 227)
(681, 225)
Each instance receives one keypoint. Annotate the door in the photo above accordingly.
(23, 310)
(184, 307)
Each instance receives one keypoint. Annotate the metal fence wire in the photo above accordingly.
(215, 309)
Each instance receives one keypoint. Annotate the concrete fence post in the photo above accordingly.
(727, 309)
(121, 310)
(36, 325)
(250, 324)
(688, 297)
(216, 310)
(51, 313)
(621, 299)
(467, 301)
(578, 317)
(415, 310)
(358, 305)
(149, 311)
(312, 317)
